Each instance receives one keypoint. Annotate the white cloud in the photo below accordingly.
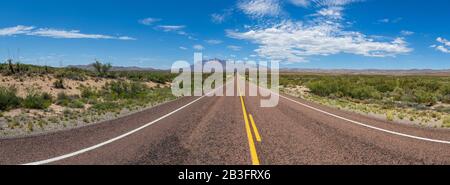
(331, 12)
(234, 48)
(443, 49)
(301, 3)
(55, 33)
(334, 2)
(406, 33)
(444, 45)
(149, 21)
(294, 42)
(72, 34)
(217, 18)
(387, 20)
(271, 8)
(443, 41)
(126, 38)
(260, 8)
(17, 30)
(178, 29)
(171, 28)
(183, 48)
(212, 41)
(198, 47)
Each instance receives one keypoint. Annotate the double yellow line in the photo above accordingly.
(248, 118)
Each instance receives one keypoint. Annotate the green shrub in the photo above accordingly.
(446, 122)
(77, 104)
(446, 99)
(102, 69)
(88, 92)
(73, 74)
(105, 106)
(59, 84)
(8, 99)
(323, 88)
(125, 90)
(425, 90)
(425, 97)
(36, 100)
(69, 101)
(367, 92)
(61, 98)
(390, 116)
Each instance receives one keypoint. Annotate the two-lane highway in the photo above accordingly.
(235, 130)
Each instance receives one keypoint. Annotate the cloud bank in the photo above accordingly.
(56, 33)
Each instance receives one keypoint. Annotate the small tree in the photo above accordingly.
(11, 67)
(18, 67)
(98, 66)
(106, 68)
(59, 84)
(102, 69)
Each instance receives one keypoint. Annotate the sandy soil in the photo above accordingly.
(303, 92)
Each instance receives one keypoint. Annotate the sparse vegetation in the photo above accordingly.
(420, 99)
(8, 99)
(425, 90)
(446, 122)
(59, 84)
(102, 69)
(36, 100)
(50, 98)
(69, 101)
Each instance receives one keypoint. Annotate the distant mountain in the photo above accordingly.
(445, 72)
(222, 62)
(115, 68)
(369, 71)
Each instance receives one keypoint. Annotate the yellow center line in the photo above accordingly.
(255, 129)
(251, 142)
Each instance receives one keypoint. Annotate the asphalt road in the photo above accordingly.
(220, 130)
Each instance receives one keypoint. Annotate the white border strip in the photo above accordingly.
(368, 126)
(118, 137)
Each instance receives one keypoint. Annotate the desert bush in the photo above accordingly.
(158, 77)
(390, 116)
(426, 90)
(123, 89)
(35, 100)
(59, 84)
(73, 74)
(445, 89)
(105, 106)
(8, 99)
(101, 69)
(446, 99)
(446, 122)
(88, 92)
(69, 101)
(362, 93)
(323, 88)
(425, 97)
(77, 104)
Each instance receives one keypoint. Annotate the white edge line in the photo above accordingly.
(362, 124)
(118, 137)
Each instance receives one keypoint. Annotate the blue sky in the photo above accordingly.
(329, 34)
